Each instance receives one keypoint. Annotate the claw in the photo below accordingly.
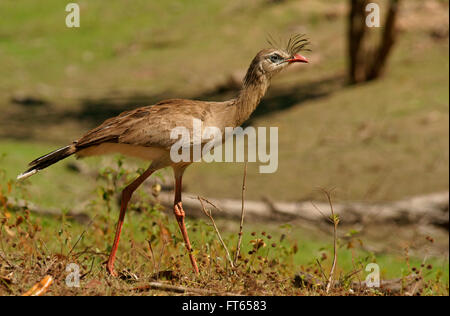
(178, 210)
(112, 272)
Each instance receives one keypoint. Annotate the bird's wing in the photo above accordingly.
(148, 126)
(111, 129)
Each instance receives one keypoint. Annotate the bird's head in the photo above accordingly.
(270, 61)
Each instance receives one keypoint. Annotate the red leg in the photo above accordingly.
(126, 196)
(179, 214)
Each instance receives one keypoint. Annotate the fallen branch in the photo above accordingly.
(179, 289)
(431, 209)
(75, 214)
(408, 284)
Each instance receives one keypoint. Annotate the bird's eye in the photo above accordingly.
(275, 58)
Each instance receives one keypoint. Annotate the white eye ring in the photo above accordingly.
(275, 58)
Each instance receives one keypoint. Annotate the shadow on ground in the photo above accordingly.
(23, 119)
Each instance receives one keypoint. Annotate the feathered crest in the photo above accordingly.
(295, 44)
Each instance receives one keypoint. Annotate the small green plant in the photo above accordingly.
(34, 245)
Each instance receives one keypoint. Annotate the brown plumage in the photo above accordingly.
(145, 132)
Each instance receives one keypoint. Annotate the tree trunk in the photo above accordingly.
(377, 67)
(363, 64)
(356, 31)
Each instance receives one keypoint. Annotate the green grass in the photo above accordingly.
(70, 187)
(311, 245)
(383, 140)
(122, 36)
(33, 245)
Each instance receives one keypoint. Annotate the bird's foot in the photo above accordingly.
(111, 271)
(178, 210)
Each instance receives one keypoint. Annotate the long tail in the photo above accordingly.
(47, 160)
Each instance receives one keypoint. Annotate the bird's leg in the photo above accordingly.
(126, 196)
(179, 214)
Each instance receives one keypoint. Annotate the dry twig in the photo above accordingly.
(238, 248)
(208, 213)
(81, 236)
(335, 221)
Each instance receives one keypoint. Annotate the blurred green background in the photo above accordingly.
(382, 140)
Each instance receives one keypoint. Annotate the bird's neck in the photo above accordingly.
(250, 96)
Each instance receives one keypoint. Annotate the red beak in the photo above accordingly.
(298, 59)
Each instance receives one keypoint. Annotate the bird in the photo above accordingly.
(145, 131)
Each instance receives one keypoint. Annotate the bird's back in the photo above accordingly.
(150, 126)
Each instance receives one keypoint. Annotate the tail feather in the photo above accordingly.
(47, 160)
